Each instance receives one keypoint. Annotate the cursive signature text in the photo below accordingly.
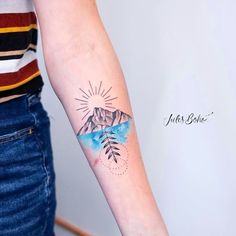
(189, 119)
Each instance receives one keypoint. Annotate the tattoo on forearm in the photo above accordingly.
(106, 128)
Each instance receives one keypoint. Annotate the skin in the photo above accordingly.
(77, 51)
(4, 99)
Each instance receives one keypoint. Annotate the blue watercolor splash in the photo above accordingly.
(92, 139)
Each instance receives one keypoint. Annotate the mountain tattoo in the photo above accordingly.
(106, 131)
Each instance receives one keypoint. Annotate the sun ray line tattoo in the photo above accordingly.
(107, 91)
(102, 92)
(99, 87)
(85, 115)
(107, 97)
(106, 128)
(85, 97)
(85, 110)
(110, 107)
(84, 92)
(81, 108)
(80, 100)
(107, 100)
(91, 87)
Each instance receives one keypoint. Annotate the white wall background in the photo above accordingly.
(178, 57)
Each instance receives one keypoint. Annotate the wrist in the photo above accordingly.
(140, 230)
(148, 226)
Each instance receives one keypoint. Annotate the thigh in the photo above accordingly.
(27, 179)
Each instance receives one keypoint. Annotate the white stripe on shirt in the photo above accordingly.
(14, 65)
(16, 6)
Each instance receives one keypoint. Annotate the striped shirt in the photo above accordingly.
(19, 71)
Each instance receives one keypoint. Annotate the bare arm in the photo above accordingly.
(86, 76)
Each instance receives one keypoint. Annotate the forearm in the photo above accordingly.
(88, 80)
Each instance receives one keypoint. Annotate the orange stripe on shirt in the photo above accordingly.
(15, 79)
